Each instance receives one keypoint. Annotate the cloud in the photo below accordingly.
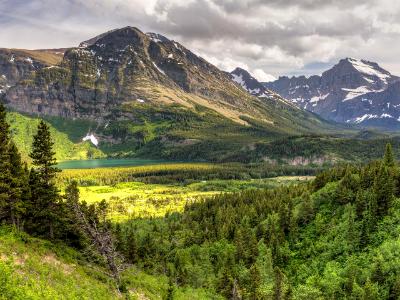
(264, 36)
(261, 76)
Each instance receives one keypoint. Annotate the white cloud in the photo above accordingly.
(261, 76)
(271, 36)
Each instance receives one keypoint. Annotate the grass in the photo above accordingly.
(33, 269)
(129, 200)
(23, 128)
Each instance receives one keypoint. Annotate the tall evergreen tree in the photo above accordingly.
(5, 165)
(17, 203)
(384, 190)
(388, 158)
(45, 195)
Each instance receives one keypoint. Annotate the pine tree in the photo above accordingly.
(72, 232)
(384, 190)
(5, 165)
(45, 195)
(255, 281)
(388, 158)
(17, 204)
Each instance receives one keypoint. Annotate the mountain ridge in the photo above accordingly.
(148, 94)
(349, 92)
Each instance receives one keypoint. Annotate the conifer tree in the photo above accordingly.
(44, 191)
(72, 232)
(384, 190)
(17, 203)
(388, 158)
(5, 166)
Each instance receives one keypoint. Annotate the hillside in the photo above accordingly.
(32, 268)
(336, 238)
(66, 145)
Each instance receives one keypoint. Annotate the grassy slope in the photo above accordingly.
(23, 129)
(180, 134)
(31, 268)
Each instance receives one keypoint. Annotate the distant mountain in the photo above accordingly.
(250, 84)
(353, 91)
(253, 86)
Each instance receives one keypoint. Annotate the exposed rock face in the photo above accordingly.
(117, 67)
(249, 83)
(353, 91)
(14, 67)
(253, 86)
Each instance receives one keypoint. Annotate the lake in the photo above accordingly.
(107, 163)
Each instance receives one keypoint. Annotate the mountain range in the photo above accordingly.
(353, 91)
(134, 93)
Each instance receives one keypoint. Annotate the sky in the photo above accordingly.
(269, 38)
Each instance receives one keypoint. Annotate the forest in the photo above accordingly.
(333, 237)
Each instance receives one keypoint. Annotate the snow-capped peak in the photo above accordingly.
(369, 68)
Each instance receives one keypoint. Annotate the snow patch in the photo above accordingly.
(91, 138)
(370, 116)
(318, 98)
(365, 68)
(159, 70)
(364, 117)
(353, 93)
(140, 100)
(12, 59)
(239, 79)
(170, 55)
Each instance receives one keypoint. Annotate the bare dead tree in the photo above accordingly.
(95, 227)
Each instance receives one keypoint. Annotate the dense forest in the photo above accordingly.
(335, 237)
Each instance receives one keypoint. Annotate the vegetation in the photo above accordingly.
(66, 146)
(127, 200)
(335, 237)
(174, 133)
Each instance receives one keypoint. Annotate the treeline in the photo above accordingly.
(180, 173)
(30, 200)
(335, 238)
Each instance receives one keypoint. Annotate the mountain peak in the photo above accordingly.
(119, 36)
(252, 85)
(352, 91)
(367, 68)
(156, 37)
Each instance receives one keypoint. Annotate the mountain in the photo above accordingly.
(144, 94)
(254, 87)
(353, 91)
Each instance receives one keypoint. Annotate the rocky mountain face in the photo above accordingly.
(250, 84)
(122, 66)
(254, 87)
(134, 93)
(353, 91)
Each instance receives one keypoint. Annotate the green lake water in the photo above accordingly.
(107, 163)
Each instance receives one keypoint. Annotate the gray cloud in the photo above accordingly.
(265, 36)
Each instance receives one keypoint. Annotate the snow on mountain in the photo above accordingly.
(352, 91)
(92, 139)
(369, 68)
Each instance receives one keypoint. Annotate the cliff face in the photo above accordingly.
(117, 67)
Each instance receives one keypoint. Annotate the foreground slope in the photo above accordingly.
(32, 268)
